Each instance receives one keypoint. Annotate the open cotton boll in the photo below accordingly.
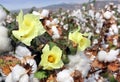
(65, 27)
(48, 23)
(32, 63)
(9, 78)
(2, 15)
(45, 13)
(36, 13)
(22, 51)
(112, 55)
(115, 42)
(24, 78)
(3, 31)
(114, 28)
(101, 55)
(4, 44)
(55, 33)
(64, 76)
(107, 14)
(17, 72)
(79, 62)
(55, 21)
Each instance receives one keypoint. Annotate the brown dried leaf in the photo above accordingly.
(8, 62)
(77, 76)
(97, 64)
(113, 67)
(51, 79)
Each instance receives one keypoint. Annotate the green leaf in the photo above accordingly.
(112, 79)
(51, 44)
(40, 75)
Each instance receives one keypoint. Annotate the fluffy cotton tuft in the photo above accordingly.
(9, 78)
(79, 62)
(4, 44)
(44, 13)
(24, 78)
(48, 23)
(65, 26)
(55, 21)
(17, 72)
(55, 33)
(3, 31)
(108, 56)
(4, 40)
(36, 13)
(107, 14)
(2, 15)
(64, 76)
(102, 55)
(32, 63)
(22, 51)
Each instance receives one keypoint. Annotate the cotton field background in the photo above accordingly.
(81, 45)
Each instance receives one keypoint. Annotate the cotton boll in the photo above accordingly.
(55, 21)
(102, 55)
(48, 23)
(24, 78)
(36, 13)
(114, 28)
(79, 62)
(4, 44)
(91, 13)
(115, 42)
(44, 13)
(17, 72)
(9, 78)
(3, 31)
(112, 55)
(65, 26)
(97, 31)
(32, 63)
(97, 15)
(55, 33)
(2, 15)
(107, 14)
(64, 76)
(22, 51)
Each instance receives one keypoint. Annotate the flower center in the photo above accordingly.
(51, 58)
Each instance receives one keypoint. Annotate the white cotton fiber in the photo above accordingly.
(64, 76)
(9, 78)
(4, 44)
(24, 78)
(102, 55)
(32, 63)
(3, 31)
(107, 14)
(45, 13)
(2, 15)
(22, 51)
(17, 72)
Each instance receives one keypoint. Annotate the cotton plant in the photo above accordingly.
(25, 55)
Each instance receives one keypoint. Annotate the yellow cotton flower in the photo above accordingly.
(29, 28)
(80, 40)
(51, 59)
